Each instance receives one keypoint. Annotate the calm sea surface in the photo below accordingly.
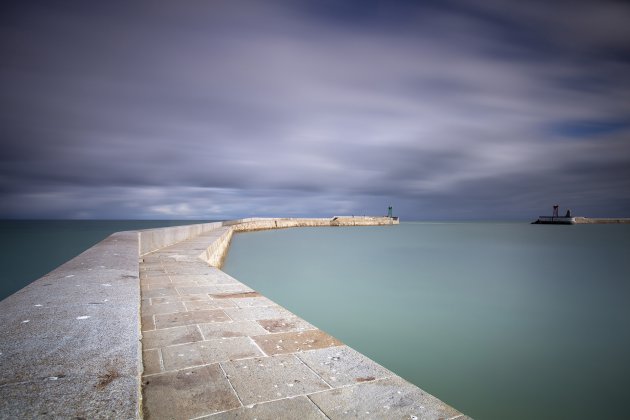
(500, 320)
(31, 248)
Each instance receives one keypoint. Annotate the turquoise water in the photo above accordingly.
(500, 320)
(31, 248)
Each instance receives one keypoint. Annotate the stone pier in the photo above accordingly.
(209, 346)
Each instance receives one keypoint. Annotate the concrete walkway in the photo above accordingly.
(215, 348)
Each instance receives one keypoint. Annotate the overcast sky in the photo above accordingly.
(222, 109)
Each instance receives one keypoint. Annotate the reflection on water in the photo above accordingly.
(500, 320)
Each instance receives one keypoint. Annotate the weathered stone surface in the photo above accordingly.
(254, 301)
(342, 365)
(154, 293)
(188, 393)
(203, 279)
(271, 378)
(188, 298)
(206, 352)
(213, 289)
(285, 324)
(286, 409)
(71, 397)
(231, 329)
(69, 342)
(236, 295)
(291, 342)
(148, 323)
(261, 312)
(163, 308)
(200, 305)
(382, 399)
(170, 336)
(151, 361)
(189, 318)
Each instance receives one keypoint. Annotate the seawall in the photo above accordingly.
(601, 220)
(71, 341)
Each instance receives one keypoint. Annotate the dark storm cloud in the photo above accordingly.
(226, 109)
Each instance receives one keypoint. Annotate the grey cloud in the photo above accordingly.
(229, 109)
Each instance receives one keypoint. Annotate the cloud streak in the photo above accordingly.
(228, 109)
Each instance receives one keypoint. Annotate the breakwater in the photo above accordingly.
(555, 220)
(601, 220)
(71, 341)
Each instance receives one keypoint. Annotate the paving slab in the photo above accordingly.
(292, 342)
(147, 323)
(341, 365)
(206, 352)
(199, 305)
(185, 269)
(258, 312)
(169, 285)
(271, 378)
(170, 337)
(231, 329)
(285, 324)
(150, 278)
(155, 293)
(382, 399)
(285, 409)
(254, 301)
(189, 318)
(188, 298)
(151, 361)
(236, 295)
(206, 279)
(213, 289)
(188, 393)
(163, 308)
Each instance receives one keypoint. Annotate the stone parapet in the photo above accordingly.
(70, 341)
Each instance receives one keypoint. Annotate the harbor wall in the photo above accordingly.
(153, 239)
(601, 220)
(70, 341)
(215, 254)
